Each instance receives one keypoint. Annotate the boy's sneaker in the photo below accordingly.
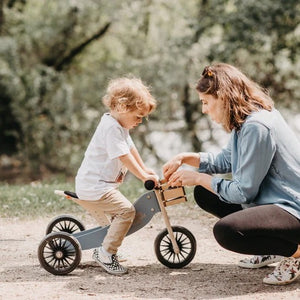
(258, 261)
(121, 257)
(109, 263)
(286, 272)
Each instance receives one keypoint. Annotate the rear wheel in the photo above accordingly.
(65, 223)
(59, 253)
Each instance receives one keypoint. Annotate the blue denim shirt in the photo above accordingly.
(264, 159)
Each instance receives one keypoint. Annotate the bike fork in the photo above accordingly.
(167, 221)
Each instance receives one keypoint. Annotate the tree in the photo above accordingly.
(36, 98)
(57, 57)
(1, 17)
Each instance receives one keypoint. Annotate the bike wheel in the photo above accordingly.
(65, 223)
(59, 253)
(164, 249)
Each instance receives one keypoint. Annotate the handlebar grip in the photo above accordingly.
(149, 185)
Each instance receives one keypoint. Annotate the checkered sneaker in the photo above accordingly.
(259, 261)
(286, 272)
(109, 263)
(121, 257)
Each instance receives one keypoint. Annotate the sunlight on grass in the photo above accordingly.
(33, 199)
(38, 198)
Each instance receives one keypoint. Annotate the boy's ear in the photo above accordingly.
(122, 107)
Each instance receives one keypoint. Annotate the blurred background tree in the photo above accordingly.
(56, 58)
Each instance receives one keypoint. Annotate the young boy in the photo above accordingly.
(110, 154)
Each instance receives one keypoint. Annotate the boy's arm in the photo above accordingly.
(137, 157)
(135, 168)
(139, 160)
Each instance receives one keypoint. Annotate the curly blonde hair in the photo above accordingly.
(128, 94)
(240, 95)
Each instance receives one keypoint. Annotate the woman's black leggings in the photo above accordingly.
(259, 230)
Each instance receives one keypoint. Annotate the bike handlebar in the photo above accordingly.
(149, 185)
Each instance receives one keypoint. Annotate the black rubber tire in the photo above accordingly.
(164, 249)
(59, 253)
(65, 223)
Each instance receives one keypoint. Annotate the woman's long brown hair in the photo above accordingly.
(240, 95)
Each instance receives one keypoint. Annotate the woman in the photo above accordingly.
(259, 208)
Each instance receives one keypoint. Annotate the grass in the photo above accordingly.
(38, 198)
(33, 199)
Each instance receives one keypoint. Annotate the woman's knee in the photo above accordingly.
(203, 198)
(226, 234)
(199, 196)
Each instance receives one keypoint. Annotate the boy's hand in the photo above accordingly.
(150, 171)
(183, 177)
(153, 178)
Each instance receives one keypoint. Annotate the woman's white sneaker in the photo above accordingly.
(286, 272)
(259, 261)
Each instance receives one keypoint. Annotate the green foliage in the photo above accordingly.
(263, 38)
(11, 89)
(54, 68)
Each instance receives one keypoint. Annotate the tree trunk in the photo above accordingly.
(67, 60)
(189, 110)
(1, 17)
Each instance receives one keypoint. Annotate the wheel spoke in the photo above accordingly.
(51, 260)
(65, 223)
(69, 260)
(65, 263)
(60, 226)
(167, 252)
(180, 253)
(187, 243)
(72, 228)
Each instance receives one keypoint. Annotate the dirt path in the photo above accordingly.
(213, 274)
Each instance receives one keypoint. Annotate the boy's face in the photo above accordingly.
(131, 119)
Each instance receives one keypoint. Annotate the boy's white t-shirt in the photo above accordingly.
(101, 169)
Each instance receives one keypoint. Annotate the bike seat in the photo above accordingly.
(71, 194)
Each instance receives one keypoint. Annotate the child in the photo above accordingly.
(109, 155)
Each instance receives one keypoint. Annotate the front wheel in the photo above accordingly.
(164, 249)
(59, 253)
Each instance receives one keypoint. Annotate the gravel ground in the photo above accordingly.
(213, 273)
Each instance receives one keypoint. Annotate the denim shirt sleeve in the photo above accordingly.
(216, 164)
(256, 148)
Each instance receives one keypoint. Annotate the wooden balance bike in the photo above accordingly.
(59, 251)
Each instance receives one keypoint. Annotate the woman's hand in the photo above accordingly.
(171, 166)
(190, 178)
(184, 177)
(188, 158)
